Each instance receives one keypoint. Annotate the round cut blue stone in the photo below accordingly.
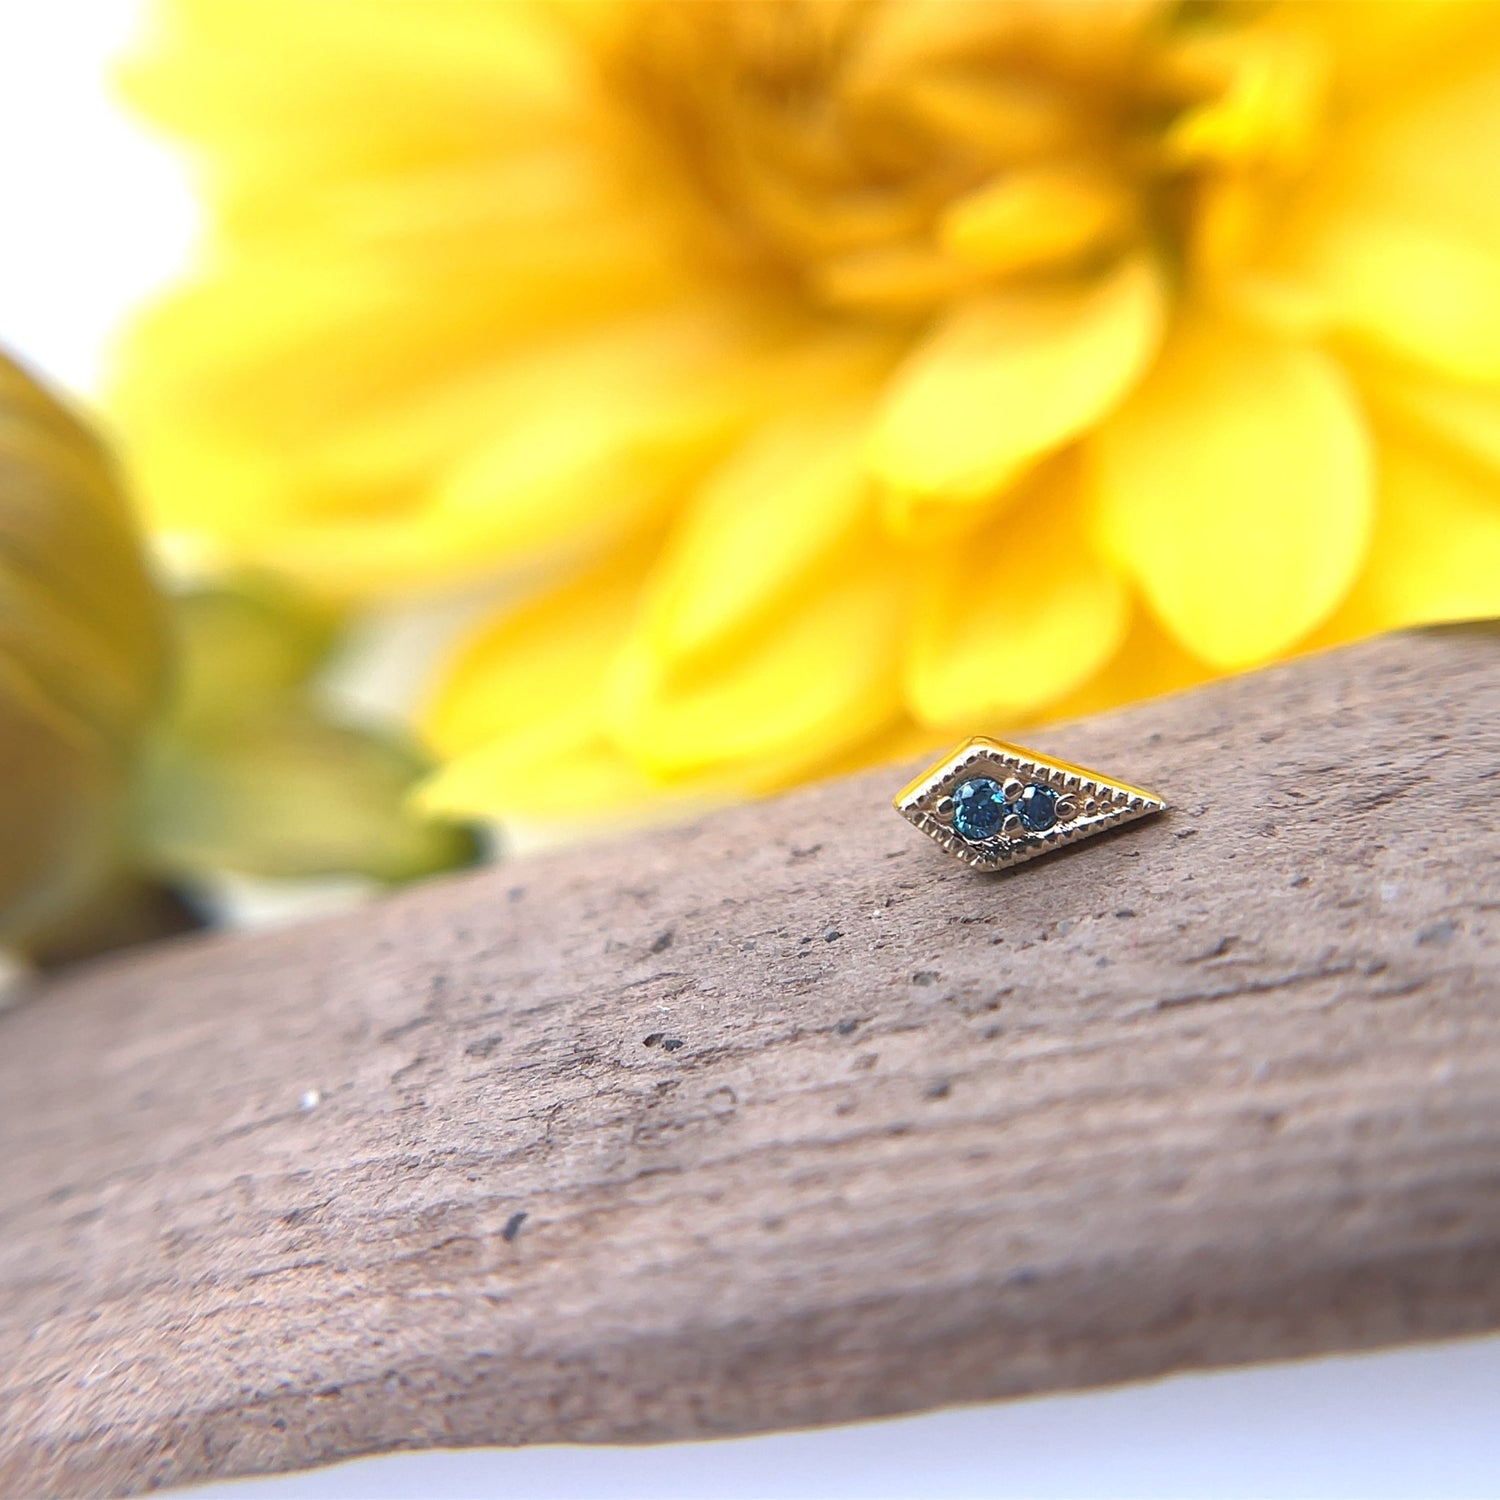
(1037, 808)
(978, 809)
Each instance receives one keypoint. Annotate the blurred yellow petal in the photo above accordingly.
(341, 331)
(453, 50)
(528, 466)
(1435, 555)
(906, 38)
(1014, 616)
(821, 677)
(456, 213)
(1027, 219)
(1465, 417)
(662, 407)
(567, 778)
(1412, 293)
(1398, 226)
(827, 225)
(778, 517)
(563, 474)
(1007, 379)
(564, 773)
(504, 462)
(263, 83)
(1386, 48)
(1147, 662)
(1269, 99)
(541, 662)
(238, 382)
(901, 278)
(1236, 486)
(1008, 119)
(1423, 154)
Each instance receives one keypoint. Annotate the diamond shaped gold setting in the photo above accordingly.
(994, 805)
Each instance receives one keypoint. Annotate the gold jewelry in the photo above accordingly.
(994, 805)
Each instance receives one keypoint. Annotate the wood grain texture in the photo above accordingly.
(785, 1118)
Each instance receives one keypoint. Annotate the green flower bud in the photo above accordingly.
(82, 649)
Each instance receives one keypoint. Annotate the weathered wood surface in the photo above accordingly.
(784, 1118)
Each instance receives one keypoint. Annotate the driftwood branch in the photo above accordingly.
(785, 1118)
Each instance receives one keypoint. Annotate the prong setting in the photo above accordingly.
(993, 805)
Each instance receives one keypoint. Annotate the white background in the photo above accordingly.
(93, 213)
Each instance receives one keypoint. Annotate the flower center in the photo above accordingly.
(888, 159)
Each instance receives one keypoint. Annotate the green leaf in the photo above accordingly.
(243, 646)
(250, 774)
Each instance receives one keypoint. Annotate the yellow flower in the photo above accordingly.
(841, 375)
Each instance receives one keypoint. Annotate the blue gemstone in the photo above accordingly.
(1037, 808)
(978, 809)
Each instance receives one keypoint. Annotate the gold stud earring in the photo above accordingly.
(994, 805)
